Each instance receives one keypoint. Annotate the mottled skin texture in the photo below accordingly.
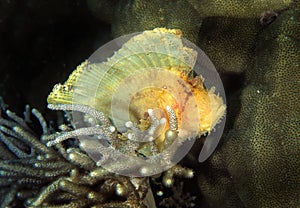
(257, 163)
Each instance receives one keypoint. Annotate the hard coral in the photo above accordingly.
(257, 166)
(136, 16)
(271, 105)
(237, 8)
(230, 47)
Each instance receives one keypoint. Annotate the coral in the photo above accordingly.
(231, 52)
(270, 104)
(135, 16)
(179, 199)
(207, 23)
(257, 165)
(238, 9)
(36, 175)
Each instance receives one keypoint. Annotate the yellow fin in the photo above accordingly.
(63, 93)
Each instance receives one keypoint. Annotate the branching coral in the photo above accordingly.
(39, 176)
(179, 199)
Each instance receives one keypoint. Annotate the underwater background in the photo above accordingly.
(255, 47)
